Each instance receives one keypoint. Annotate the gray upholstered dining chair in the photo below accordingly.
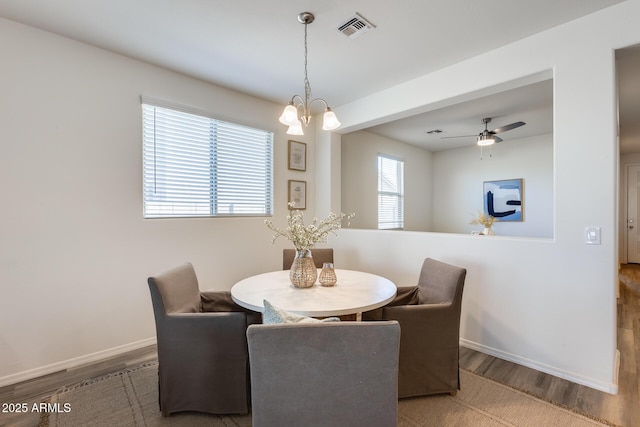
(324, 374)
(202, 346)
(429, 316)
(320, 256)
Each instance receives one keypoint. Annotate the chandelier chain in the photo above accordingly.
(307, 86)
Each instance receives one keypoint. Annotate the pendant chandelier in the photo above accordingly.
(298, 111)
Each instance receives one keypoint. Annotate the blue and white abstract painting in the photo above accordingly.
(503, 199)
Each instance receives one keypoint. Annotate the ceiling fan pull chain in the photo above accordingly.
(482, 148)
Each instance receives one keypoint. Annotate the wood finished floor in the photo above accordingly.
(622, 409)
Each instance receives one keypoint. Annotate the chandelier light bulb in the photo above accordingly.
(289, 115)
(295, 128)
(330, 121)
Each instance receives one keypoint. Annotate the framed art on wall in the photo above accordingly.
(298, 194)
(503, 199)
(297, 156)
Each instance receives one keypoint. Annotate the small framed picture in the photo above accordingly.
(297, 156)
(298, 194)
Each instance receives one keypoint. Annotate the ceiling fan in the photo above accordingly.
(488, 137)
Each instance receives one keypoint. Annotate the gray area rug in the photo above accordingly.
(130, 398)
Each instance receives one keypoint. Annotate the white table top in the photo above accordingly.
(354, 292)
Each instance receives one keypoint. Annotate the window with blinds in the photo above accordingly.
(196, 166)
(390, 193)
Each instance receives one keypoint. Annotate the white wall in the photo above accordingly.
(443, 190)
(360, 180)
(75, 251)
(545, 303)
(458, 177)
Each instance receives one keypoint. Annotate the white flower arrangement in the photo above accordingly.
(304, 237)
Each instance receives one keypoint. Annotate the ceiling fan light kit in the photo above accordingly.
(484, 140)
(298, 111)
(485, 137)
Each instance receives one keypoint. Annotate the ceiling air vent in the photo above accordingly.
(355, 26)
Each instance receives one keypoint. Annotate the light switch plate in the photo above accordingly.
(592, 236)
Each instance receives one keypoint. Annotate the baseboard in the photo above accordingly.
(74, 363)
(618, 283)
(616, 373)
(560, 373)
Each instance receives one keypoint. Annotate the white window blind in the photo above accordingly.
(390, 193)
(198, 166)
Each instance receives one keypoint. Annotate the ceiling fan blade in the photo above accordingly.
(497, 138)
(459, 136)
(508, 127)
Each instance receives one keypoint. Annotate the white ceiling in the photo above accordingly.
(532, 104)
(256, 47)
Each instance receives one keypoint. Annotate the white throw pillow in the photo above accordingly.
(273, 315)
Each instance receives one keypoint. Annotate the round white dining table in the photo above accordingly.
(354, 292)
